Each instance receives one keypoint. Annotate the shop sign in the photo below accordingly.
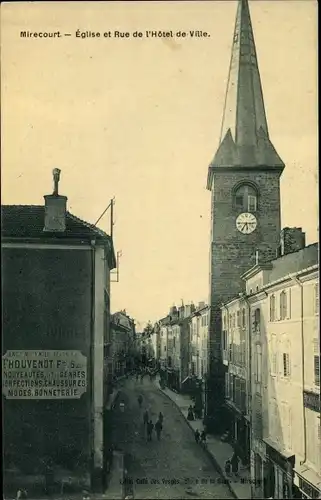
(44, 374)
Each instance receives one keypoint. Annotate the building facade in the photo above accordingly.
(285, 371)
(122, 343)
(174, 346)
(244, 180)
(56, 296)
(236, 358)
(199, 341)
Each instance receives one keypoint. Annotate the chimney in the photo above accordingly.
(55, 208)
(173, 311)
(292, 239)
(181, 311)
(187, 311)
(201, 305)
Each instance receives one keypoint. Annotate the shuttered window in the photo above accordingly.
(283, 305)
(258, 363)
(274, 355)
(272, 308)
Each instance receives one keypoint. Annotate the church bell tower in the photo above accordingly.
(244, 180)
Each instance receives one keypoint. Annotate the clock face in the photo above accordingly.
(246, 223)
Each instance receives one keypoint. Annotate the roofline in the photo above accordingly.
(256, 269)
(46, 240)
(240, 297)
(290, 276)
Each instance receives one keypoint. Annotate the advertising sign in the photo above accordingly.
(44, 374)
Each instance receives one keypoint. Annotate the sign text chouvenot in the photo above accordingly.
(44, 374)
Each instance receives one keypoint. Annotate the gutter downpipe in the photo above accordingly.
(250, 381)
(298, 282)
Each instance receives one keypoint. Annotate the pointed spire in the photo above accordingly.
(244, 137)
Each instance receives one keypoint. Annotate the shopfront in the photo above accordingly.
(308, 482)
(280, 471)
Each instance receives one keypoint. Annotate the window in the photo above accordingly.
(230, 320)
(272, 308)
(274, 355)
(226, 385)
(283, 305)
(243, 318)
(251, 203)
(239, 202)
(238, 391)
(230, 385)
(233, 388)
(257, 320)
(286, 360)
(316, 298)
(258, 363)
(245, 198)
(242, 348)
(243, 395)
(238, 318)
(174, 342)
(224, 340)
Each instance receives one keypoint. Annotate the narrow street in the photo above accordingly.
(173, 468)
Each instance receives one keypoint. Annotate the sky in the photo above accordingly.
(139, 119)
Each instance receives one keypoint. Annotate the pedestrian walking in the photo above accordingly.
(190, 414)
(197, 436)
(146, 417)
(140, 400)
(228, 467)
(235, 463)
(158, 429)
(150, 427)
(203, 438)
(160, 417)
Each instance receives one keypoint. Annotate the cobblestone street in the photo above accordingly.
(174, 468)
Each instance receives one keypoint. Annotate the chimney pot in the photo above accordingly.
(55, 208)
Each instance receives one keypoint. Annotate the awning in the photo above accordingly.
(185, 379)
(309, 475)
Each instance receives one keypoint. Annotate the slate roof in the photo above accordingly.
(27, 221)
(244, 141)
